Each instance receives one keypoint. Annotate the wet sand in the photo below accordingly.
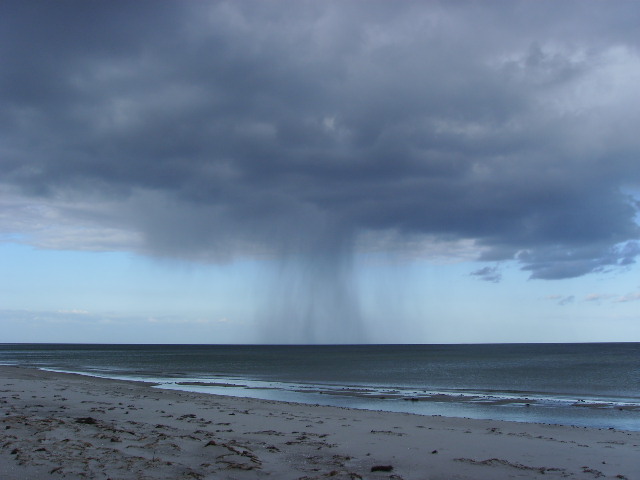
(55, 425)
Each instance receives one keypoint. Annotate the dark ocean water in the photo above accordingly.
(595, 385)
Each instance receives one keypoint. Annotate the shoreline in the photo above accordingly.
(61, 425)
(590, 411)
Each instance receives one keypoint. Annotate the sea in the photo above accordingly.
(585, 385)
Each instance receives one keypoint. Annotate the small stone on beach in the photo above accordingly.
(87, 420)
(382, 468)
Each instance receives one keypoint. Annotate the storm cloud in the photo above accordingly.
(212, 130)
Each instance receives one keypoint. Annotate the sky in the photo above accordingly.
(319, 171)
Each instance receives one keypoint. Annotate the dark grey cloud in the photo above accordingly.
(207, 130)
(488, 274)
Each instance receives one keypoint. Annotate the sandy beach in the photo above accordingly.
(55, 425)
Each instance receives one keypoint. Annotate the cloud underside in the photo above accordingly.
(209, 130)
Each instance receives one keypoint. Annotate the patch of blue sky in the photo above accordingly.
(106, 296)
